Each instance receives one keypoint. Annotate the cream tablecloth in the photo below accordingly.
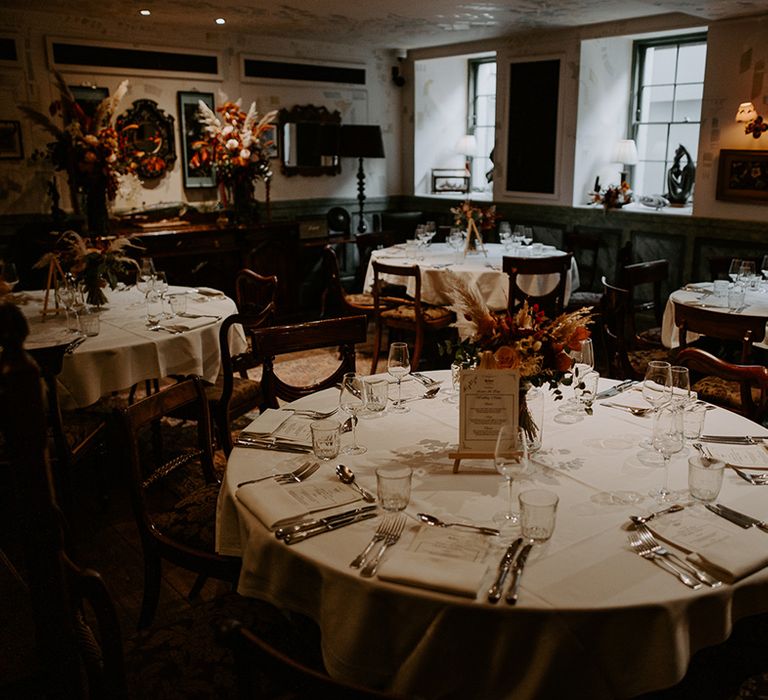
(593, 620)
(484, 271)
(125, 351)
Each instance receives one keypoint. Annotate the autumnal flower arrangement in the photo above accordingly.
(613, 197)
(95, 265)
(484, 217)
(85, 147)
(236, 146)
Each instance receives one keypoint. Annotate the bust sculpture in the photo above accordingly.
(680, 179)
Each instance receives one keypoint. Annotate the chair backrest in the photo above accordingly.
(551, 302)
(654, 273)
(585, 247)
(57, 588)
(613, 315)
(749, 377)
(255, 294)
(380, 301)
(272, 341)
(334, 300)
(366, 243)
(740, 328)
(401, 224)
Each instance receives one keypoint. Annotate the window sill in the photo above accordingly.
(637, 208)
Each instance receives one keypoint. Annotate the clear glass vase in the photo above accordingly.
(531, 415)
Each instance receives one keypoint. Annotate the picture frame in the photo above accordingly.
(742, 176)
(269, 138)
(89, 97)
(449, 180)
(11, 146)
(191, 130)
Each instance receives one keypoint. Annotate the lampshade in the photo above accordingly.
(467, 145)
(361, 141)
(625, 151)
(746, 112)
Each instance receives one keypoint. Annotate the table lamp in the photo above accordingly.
(625, 152)
(361, 141)
(467, 146)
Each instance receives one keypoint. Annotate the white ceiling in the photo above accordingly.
(389, 23)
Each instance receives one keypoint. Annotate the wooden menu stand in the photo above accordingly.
(458, 456)
(474, 233)
(55, 275)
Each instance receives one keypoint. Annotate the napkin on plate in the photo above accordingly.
(269, 421)
(444, 574)
(186, 324)
(209, 292)
(270, 502)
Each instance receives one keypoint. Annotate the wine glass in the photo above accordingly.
(667, 440)
(398, 366)
(511, 459)
(66, 294)
(161, 287)
(456, 240)
(9, 274)
(764, 266)
(681, 386)
(583, 363)
(733, 270)
(657, 384)
(146, 268)
(352, 401)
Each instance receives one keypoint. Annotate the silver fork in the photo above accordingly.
(315, 415)
(298, 474)
(646, 536)
(636, 543)
(754, 479)
(381, 532)
(392, 536)
(635, 411)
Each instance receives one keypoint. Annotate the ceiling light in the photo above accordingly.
(145, 13)
(220, 20)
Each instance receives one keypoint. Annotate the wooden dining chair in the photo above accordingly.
(255, 293)
(741, 329)
(552, 302)
(336, 301)
(739, 388)
(585, 247)
(640, 279)
(626, 357)
(342, 333)
(366, 243)
(181, 532)
(411, 316)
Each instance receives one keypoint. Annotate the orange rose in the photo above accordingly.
(507, 357)
(562, 362)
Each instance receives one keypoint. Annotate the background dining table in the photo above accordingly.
(592, 615)
(478, 268)
(755, 304)
(126, 351)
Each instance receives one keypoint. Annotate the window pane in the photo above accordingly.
(652, 141)
(656, 105)
(485, 114)
(486, 79)
(660, 65)
(650, 178)
(691, 63)
(688, 103)
(688, 135)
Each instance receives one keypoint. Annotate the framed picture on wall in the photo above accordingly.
(10, 140)
(449, 180)
(269, 139)
(191, 130)
(89, 97)
(742, 176)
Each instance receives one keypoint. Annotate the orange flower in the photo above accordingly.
(507, 357)
(563, 362)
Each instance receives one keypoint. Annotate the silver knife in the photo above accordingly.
(761, 525)
(292, 538)
(281, 532)
(716, 508)
(494, 592)
(734, 439)
(517, 574)
(617, 389)
(424, 379)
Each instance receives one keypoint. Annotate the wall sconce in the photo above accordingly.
(624, 152)
(747, 114)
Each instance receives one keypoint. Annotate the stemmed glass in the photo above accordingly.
(9, 274)
(398, 366)
(583, 363)
(681, 386)
(764, 269)
(66, 293)
(733, 270)
(511, 459)
(161, 287)
(667, 440)
(456, 240)
(352, 401)
(657, 388)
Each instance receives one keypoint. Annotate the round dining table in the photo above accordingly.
(701, 294)
(593, 618)
(126, 350)
(478, 268)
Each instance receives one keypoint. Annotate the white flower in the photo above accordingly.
(245, 153)
(233, 144)
(227, 130)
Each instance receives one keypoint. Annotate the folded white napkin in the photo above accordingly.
(186, 324)
(270, 502)
(209, 292)
(444, 574)
(269, 421)
(735, 557)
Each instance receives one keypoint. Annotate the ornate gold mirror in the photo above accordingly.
(146, 139)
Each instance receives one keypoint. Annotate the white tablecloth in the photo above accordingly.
(125, 351)
(593, 619)
(484, 271)
(756, 305)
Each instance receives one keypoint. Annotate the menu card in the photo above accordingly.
(740, 455)
(488, 399)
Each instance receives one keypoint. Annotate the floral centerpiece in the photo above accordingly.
(526, 340)
(94, 265)
(87, 148)
(474, 220)
(613, 197)
(238, 148)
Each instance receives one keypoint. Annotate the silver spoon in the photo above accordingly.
(635, 411)
(347, 476)
(641, 519)
(432, 520)
(428, 394)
